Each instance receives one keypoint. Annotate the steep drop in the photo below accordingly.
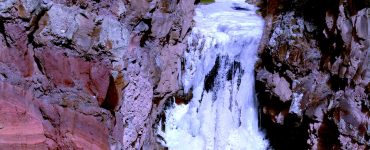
(219, 64)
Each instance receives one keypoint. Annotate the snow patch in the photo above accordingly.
(296, 102)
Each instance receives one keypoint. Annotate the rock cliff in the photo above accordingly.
(96, 74)
(313, 74)
(88, 74)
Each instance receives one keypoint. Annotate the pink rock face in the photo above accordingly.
(22, 125)
(18, 55)
(92, 77)
(68, 129)
(85, 132)
(20, 121)
(90, 70)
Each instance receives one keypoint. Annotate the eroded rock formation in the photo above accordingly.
(313, 75)
(88, 74)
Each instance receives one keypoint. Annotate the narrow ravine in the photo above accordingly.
(219, 72)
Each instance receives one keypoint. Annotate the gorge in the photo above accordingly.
(184, 74)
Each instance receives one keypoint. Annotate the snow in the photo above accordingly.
(295, 106)
(226, 116)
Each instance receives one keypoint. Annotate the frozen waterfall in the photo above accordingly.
(219, 71)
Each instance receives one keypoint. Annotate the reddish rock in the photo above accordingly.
(22, 125)
(20, 121)
(95, 66)
(14, 51)
(85, 132)
(92, 77)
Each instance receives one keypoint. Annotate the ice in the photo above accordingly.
(224, 117)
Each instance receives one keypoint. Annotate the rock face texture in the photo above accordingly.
(313, 75)
(88, 74)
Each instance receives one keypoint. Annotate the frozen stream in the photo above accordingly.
(219, 64)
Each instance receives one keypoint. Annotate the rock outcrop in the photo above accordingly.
(88, 74)
(313, 75)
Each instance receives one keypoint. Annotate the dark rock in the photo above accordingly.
(321, 50)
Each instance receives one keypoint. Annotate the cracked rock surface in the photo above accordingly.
(87, 74)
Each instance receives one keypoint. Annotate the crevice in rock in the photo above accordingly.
(39, 64)
(3, 33)
(336, 83)
(146, 34)
(64, 43)
(112, 98)
(4, 75)
(328, 135)
(34, 26)
(267, 62)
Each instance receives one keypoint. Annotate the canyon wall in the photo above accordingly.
(313, 74)
(91, 74)
(88, 74)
